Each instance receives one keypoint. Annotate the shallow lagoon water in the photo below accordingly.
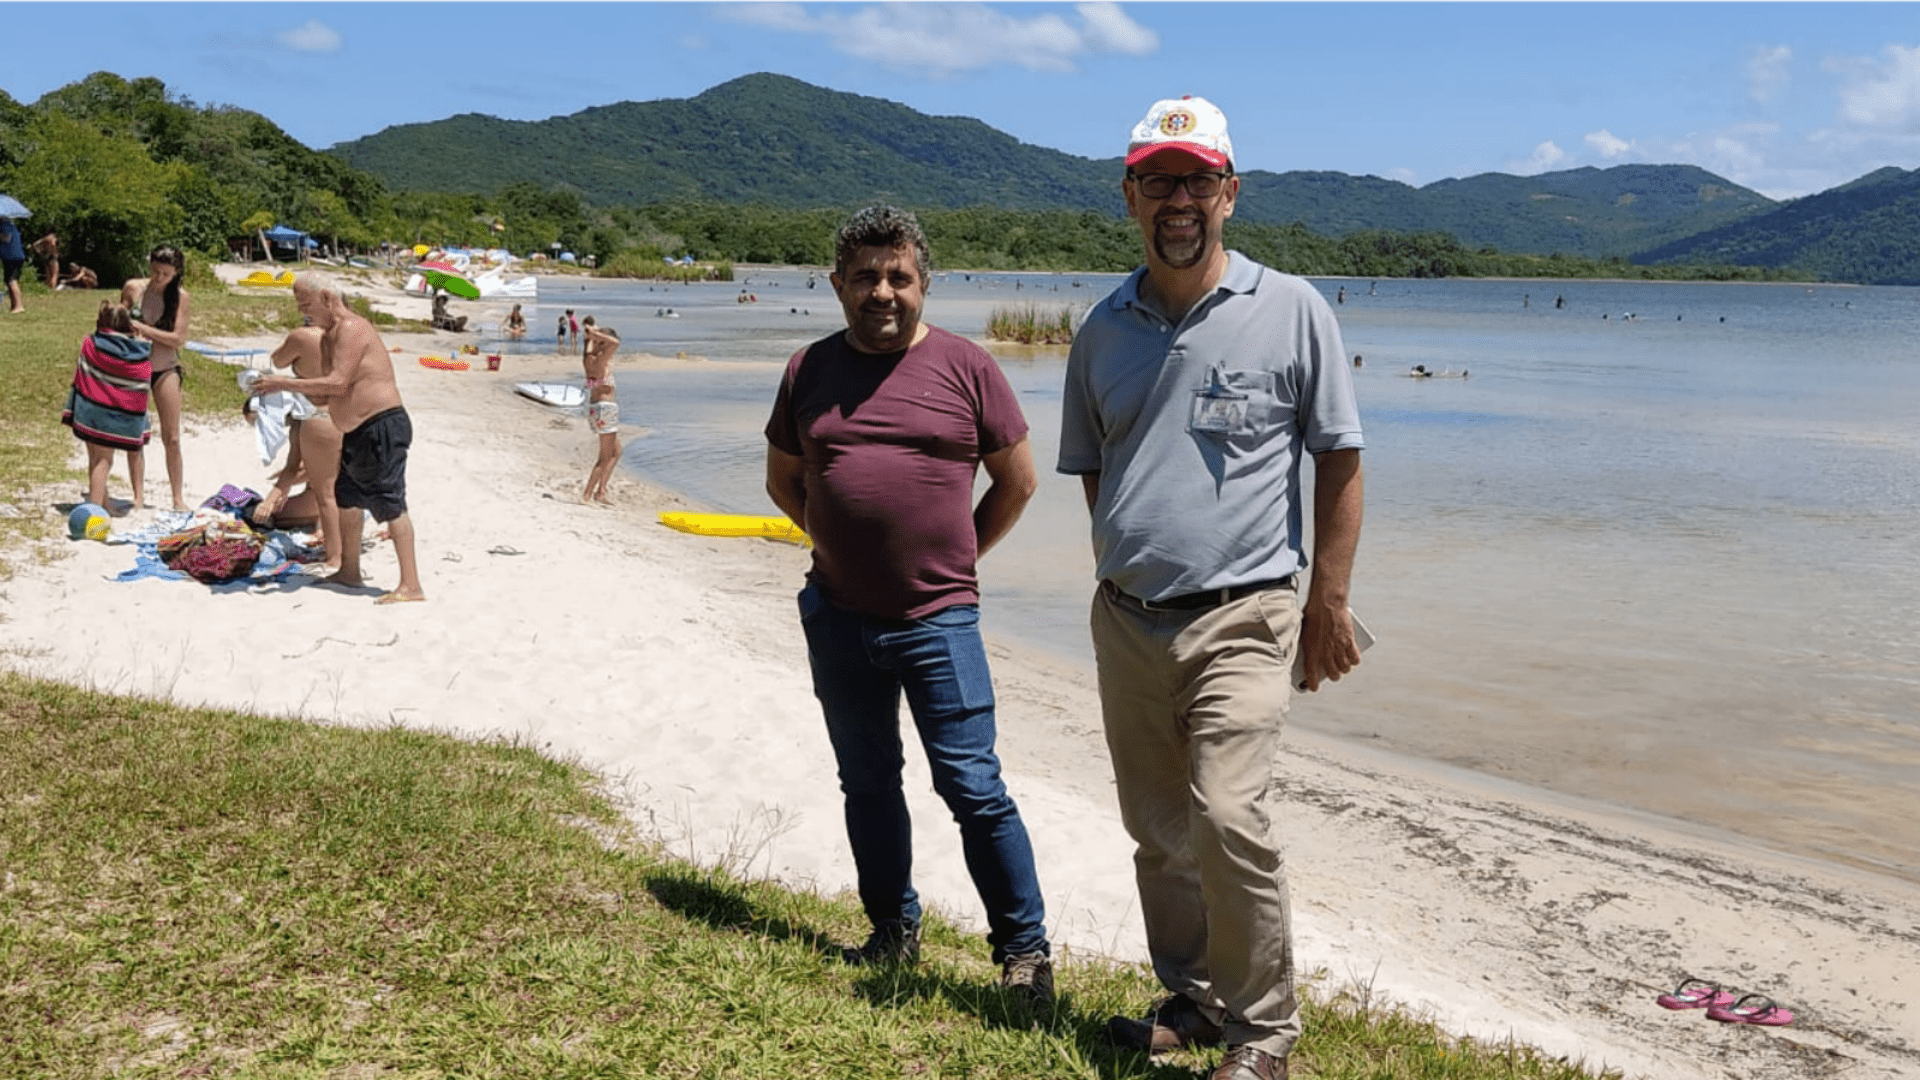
(1661, 549)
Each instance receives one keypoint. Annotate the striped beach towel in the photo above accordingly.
(107, 405)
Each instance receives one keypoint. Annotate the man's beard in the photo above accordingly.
(1180, 254)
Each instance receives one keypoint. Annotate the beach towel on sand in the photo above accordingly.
(107, 405)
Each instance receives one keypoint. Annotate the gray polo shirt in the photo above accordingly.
(1197, 429)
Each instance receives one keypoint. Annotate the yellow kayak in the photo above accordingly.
(261, 277)
(773, 528)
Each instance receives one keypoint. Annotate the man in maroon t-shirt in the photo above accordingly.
(873, 446)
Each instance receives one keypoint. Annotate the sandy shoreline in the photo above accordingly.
(673, 664)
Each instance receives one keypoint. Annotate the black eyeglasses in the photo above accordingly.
(1200, 185)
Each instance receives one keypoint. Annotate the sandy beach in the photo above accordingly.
(673, 664)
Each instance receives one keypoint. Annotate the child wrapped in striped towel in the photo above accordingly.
(107, 406)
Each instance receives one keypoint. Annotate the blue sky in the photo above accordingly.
(1786, 98)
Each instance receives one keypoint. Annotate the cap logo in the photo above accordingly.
(1177, 122)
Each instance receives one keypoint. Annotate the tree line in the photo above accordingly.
(117, 167)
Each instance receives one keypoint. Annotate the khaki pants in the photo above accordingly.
(1193, 703)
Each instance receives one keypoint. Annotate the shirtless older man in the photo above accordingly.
(364, 401)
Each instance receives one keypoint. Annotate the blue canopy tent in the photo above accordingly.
(282, 237)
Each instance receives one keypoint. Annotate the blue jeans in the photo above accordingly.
(860, 666)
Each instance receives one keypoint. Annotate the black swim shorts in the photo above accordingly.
(12, 268)
(373, 465)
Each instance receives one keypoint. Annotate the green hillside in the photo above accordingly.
(761, 138)
(1866, 231)
(782, 142)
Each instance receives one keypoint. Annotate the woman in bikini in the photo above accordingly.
(603, 412)
(516, 323)
(162, 319)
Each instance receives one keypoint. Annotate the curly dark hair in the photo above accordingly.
(881, 226)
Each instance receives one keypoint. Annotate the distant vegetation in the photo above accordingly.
(763, 169)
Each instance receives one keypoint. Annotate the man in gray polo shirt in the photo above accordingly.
(1192, 393)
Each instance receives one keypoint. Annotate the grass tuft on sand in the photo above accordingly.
(1031, 324)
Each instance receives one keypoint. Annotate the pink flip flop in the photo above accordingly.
(1752, 1009)
(1695, 994)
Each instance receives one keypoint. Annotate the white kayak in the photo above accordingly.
(559, 395)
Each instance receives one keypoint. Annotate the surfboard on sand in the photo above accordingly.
(559, 395)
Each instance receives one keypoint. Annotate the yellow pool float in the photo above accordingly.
(772, 528)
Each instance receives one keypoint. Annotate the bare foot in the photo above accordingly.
(398, 597)
(338, 578)
(603, 500)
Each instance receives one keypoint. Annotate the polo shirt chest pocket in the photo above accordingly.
(1233, 403)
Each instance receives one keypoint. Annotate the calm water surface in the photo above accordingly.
(1660, 549)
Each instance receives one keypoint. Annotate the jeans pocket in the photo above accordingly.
(954, 666)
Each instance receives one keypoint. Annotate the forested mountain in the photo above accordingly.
(776, 140)
(761, 138)
(1868, 231)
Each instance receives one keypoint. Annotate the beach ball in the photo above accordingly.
(90, 522)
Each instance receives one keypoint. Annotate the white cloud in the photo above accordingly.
(313, 36)
(1885, 95)
(943, 39)
(1544, 157)
(791, 17)
(1108, 29)
(1769, 70)
(1606, 144)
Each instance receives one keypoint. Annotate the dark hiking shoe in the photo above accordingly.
(1173, 1022)
(1247, 1063)
(1029, 975)
(890, 943)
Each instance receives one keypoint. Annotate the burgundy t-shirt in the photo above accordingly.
(892, 442)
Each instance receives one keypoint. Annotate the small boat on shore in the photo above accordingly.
(494, 283)
(771, 528)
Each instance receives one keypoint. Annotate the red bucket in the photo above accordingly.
(493, 361)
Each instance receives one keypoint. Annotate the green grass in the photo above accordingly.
(1030, 324)
(198, 893)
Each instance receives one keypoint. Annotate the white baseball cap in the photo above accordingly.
(1189, 124)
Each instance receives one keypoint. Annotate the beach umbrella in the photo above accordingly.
(11, 207)
(453, 283)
